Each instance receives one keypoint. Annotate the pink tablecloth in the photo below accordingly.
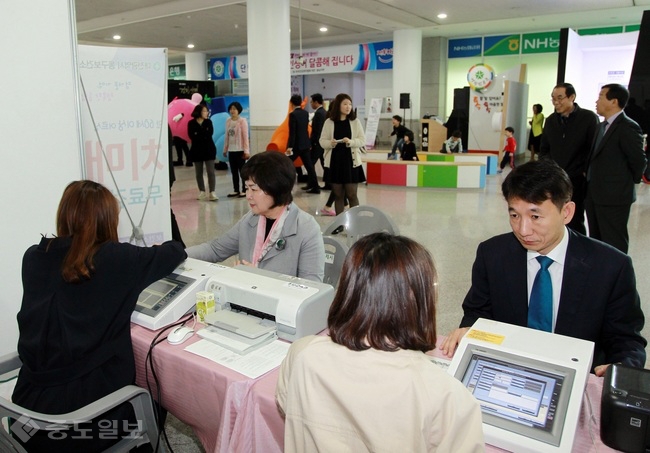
(232, 413)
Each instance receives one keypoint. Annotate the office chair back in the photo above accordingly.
(360, 221)
(139, 398)
(335, 251)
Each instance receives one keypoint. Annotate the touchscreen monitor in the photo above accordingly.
(518, 394)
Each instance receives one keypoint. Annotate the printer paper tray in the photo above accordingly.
(240, 323)
(233, 341)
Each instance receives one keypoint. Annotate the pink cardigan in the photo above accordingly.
(239, 142)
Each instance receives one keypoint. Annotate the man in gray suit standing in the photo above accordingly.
(616, 165)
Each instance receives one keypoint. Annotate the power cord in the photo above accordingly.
(158, 413)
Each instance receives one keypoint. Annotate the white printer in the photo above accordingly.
(250, 300)
(253, 306)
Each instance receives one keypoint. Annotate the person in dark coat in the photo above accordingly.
(408, 148)
(568, 135)
(617, 164)
(299, 142)
(79, 291)
(203, 150)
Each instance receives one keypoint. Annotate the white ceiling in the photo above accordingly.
(218, 27)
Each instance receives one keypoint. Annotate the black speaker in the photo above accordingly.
(461, 99)
(405, 100)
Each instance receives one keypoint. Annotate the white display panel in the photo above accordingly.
(529, 384)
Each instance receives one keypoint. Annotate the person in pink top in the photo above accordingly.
(236, 146)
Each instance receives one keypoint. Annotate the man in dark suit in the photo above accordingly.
(617, 164)
(567, 138)
(298, 144)
(317, 122)
(593, 295)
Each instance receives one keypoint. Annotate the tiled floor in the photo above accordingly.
(449, 222)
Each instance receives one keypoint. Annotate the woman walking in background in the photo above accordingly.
(342, 139)
(236, 146)
(203, 150)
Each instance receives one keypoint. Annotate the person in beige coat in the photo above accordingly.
(368, 385)
(342, 138)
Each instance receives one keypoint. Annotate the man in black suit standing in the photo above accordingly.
(298, 144)
(591, 288)
(317, 122)
(567, 138)
(617, 164)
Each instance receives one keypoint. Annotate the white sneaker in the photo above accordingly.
(201, 196)
(213, 197)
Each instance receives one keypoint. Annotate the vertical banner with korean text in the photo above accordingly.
(124, 100)
(373, 122)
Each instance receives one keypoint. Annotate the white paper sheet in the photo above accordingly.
(252, 365)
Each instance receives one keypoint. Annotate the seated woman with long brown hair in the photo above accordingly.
(79, 290)
(368, 385)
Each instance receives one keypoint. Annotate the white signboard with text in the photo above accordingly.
(123, 111)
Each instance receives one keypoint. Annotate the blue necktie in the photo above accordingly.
(540, 307)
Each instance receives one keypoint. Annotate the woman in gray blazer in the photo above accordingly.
(275, 234)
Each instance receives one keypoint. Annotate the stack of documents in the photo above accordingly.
(234, 341)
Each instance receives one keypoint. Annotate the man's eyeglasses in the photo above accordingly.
(558, 99)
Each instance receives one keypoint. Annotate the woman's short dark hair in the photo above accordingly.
(235, 104)
(386, 296)
(88, 213)
(538, 107)
(196, 113)
(274, 173)
(334, 112)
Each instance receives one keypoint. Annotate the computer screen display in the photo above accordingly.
(518, 394)
(161, 293)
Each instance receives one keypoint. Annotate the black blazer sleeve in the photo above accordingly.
(499, 286)
(293, 126)
(618, 163)
(317, 126)
(600, 303)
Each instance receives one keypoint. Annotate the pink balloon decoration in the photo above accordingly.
(179, 113)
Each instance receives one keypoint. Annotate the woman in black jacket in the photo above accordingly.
(203, 150)
(79, 290)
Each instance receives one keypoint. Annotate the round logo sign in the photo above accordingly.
(218, 68)
(479, 77)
